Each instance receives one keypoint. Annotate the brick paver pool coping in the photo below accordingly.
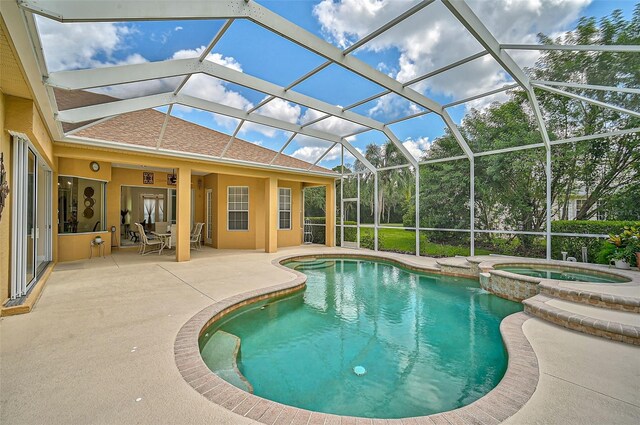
(514, 390)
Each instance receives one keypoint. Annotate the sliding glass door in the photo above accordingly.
(43, 218)
(31, 217)
(30, 228)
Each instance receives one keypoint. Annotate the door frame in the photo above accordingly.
(21, 237)
(208, 213)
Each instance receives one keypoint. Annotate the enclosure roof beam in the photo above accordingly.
(458, 136)
(25, 41)
(461, 10)
(597, 136)
(164, 127)
(588, 100)
(355, 133)
(511, 149)
(98, 77)
(232, 138)
(304, 38)
(115, 10)
(481, 95)
(408, 117)
(415, 80)
(206, 51)
(395, 21)
(293, 135)
(78, 11)
(574, 47)
(322, 156)
(587, 86)
(447, 67)
(476, 27)
(387, 131)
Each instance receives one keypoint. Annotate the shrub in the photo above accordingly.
(573, 244)
(622, 246)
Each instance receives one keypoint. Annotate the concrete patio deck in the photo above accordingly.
(98, 347)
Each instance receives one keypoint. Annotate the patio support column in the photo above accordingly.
(183, 216)
(271, 214)
(330, 220)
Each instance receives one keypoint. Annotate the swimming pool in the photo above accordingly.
(372, 339)
(561, 273)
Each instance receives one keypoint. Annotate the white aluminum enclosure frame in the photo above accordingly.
(19, 16)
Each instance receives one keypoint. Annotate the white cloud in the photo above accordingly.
(417, 147)
(77, 45)
(392, 106)
(178, 28)
(333, 125)
(310, 153)
(433, 38)
(278, 109)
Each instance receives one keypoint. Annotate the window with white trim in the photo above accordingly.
(284, 208)
(238, 208)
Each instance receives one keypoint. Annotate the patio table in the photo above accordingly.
(165, 238)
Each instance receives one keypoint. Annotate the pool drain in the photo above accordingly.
(359, 370)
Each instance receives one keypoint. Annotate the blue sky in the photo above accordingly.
(430, 39)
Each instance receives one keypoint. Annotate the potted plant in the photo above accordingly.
(624, 248)
(620, 259)
(97, 240)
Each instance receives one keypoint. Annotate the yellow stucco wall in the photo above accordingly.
(17, 113)
(5, 219)
(74, 162)
(240, 239)
(211, 182)
(72, 246)
(254, 238)
(81, 168)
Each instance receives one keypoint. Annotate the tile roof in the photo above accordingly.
(143, 128)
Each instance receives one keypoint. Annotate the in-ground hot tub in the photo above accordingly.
(519, 281)
(569, 273)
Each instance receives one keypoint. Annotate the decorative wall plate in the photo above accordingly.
(88, 192)
(89, 202)
(87, 213)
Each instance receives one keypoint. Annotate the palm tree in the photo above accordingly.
(393, 185)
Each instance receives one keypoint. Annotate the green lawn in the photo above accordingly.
(400, 240)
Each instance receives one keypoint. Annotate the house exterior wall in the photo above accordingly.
(5, 219)
(253, 238)
(76, 246)
(18, 113)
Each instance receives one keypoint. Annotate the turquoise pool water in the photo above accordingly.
(428, 343)
(561, 274)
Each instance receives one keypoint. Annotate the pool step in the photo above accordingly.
(221, 353)
(315, 265)
(595, 299)
(615, 325)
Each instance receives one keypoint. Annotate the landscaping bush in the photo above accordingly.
(573, 244)
(350, 233)
(511, 244)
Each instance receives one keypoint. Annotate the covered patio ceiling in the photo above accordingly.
(24, 27)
